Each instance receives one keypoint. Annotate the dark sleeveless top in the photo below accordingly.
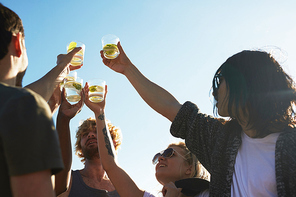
(80, 189)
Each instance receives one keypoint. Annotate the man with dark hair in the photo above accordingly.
(29, 145)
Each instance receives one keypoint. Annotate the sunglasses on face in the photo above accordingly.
(167, 153)
(217, 80)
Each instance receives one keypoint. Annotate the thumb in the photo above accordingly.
(120, 48)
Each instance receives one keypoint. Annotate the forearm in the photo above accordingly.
(105, 145)
(46, 85)
(62, 178)
(53, 106)
(155, 96)
(123, 184)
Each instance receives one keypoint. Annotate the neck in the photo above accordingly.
(249, 132)
(7, 74)
(94, 169)
(246, 129)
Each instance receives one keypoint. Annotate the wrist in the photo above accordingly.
(63, 117)
(99, 113)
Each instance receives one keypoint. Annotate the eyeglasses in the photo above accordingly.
(217, 81)
(167, 153)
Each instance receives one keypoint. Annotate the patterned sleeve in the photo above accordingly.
(285, 158)
(198, 130)
(30, 141)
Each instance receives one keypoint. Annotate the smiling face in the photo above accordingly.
(173, 168)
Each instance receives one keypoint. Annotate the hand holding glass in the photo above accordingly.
(73, 87)
(96, 90)
(77, 60)
(109, 44)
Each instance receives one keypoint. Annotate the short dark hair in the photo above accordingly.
(259, 86)
(10, 23)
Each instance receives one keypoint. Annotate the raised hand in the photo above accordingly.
(97, 108)
(170, 190)
(119, 64)
(68, 110)
(64, 60)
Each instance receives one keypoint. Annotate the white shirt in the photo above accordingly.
(254, 169)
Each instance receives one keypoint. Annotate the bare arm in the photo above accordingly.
(155, 96)
(48, 83)
(66, 113)
(32, 185)
(123, 184)
(55, 100)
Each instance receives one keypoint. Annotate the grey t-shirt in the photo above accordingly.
(80, 189)
(28, 140)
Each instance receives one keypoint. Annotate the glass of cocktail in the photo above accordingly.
(109, 44)
(96, 90)
(77, 60)
(73, 87)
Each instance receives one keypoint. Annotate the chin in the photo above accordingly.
(223, 113)
(158, 178)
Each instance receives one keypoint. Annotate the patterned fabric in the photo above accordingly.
(216, 142)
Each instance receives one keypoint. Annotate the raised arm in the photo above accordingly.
(48, 83)
(66, 113)
(155, 96)
(123, 184)
(55, 100)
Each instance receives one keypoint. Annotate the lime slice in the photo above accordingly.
(72, 45)
(110, 49)
(96, 88)
(92, 88)
(69, 78)
(77, 86)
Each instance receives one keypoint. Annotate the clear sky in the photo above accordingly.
(177, 44)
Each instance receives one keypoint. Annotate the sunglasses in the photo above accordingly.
(217, 80)
(167, 153)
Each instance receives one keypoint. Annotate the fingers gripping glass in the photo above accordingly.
(167, 153)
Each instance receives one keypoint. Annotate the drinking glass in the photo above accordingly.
(109, 44)
(96, 90)
(77, 60)
(73, 87)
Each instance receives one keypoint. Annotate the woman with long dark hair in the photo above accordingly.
(254, 152)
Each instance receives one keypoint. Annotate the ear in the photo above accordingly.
(17, 43)
(189, 170)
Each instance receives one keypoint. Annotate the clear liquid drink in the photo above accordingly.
(77, 60)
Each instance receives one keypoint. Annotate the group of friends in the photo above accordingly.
(253, 153)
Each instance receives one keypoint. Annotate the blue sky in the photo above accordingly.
(177, 44)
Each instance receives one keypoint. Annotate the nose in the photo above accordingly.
(91, 134)
(161, 158)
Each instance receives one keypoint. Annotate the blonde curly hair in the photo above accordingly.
(90, 123)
